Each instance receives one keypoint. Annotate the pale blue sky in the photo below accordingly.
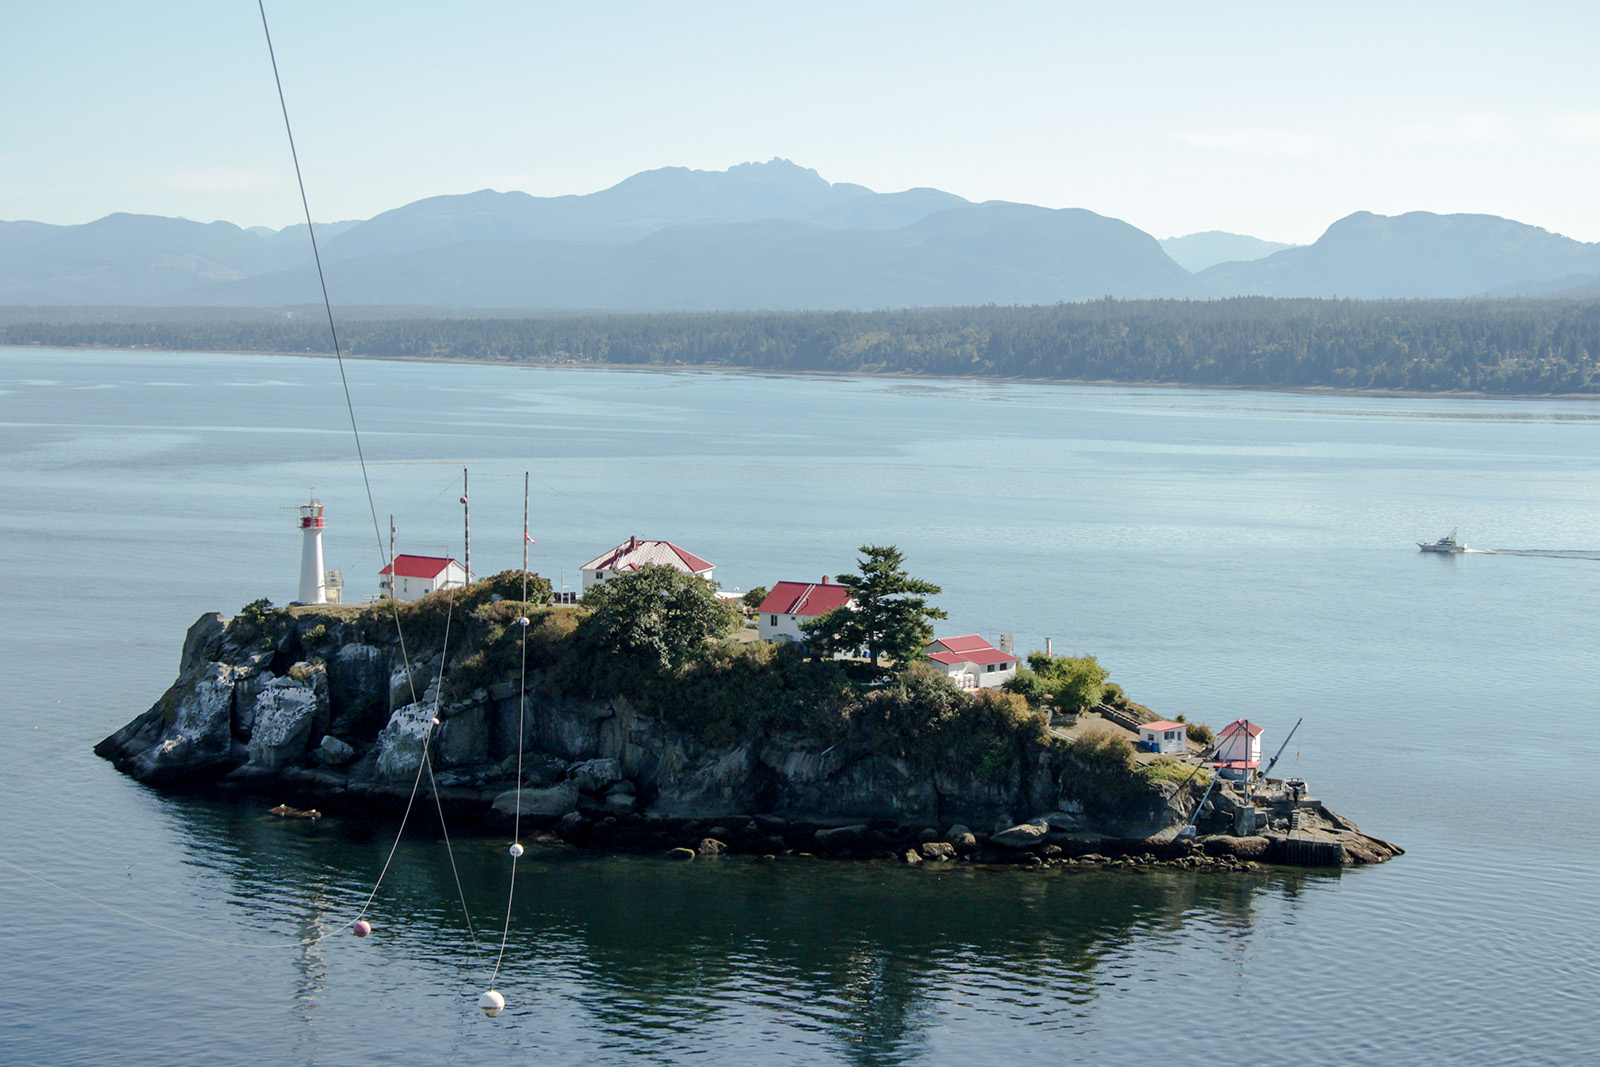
(1271, 119)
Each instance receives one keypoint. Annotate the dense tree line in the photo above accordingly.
(1436, 346)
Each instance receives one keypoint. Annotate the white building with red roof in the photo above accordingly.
(791, 603)
(634, 553)
(971, 662)
(414, 577)
(1165, 736)
(1239, 749)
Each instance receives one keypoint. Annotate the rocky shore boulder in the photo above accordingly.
(1024, 835)
(284, 714)
(401, 742)
(548, 803)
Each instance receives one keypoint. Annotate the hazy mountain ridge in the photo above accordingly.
(1416, 255)
(763, 236)
(1197, 251)
(980, 253)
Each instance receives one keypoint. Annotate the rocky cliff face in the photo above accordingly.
(315, 708)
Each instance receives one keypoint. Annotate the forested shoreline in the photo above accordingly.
(1520, 347)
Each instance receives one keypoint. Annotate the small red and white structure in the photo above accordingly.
(313, 579)
(1239, 749)
(791, 603)
(971, 662)
(634, 553)
(414, 577)
(1165, 736)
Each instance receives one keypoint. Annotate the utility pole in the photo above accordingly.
(466, 520)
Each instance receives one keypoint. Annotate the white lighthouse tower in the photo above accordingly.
(313, 580)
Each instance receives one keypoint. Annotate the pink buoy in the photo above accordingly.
(361, 928)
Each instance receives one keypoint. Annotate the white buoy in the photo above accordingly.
(516, 851)
(523, 621)
(361, 928)
(492, 1003)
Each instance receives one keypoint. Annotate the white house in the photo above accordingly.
(634, 553)
(1165, 736)
(414, 577)
(790, 603)
(1239, 749)
(971, 662)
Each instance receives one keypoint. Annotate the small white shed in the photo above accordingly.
(1164, 736)
(414, 577)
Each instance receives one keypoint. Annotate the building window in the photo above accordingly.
(774, 620)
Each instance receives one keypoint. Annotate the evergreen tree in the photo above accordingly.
(888, 615)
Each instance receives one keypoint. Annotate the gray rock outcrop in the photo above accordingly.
(325, 706)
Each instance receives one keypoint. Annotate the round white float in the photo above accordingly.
(491, 1003)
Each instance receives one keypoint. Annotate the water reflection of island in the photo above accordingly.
(865, 960)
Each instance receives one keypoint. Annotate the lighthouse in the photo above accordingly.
(313, 587)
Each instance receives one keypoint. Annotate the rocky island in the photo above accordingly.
(642, 728)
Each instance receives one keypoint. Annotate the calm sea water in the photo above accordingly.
(1224, 553)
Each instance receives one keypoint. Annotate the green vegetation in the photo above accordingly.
(1071, 683)
(256, 620)
(1494, 346)
(890, 615)
(737, 689)
(1171, 769)
(649, 622)
(922, 718)
(1105, 768)
(656, 638)
(754, 597)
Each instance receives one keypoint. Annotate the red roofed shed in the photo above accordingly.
(414, 577)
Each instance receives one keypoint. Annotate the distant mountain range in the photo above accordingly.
(1198, 251)
(770, 236)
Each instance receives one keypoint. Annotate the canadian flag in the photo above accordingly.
(529, 539)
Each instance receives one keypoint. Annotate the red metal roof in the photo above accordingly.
(804, 598)
(1239, 764)
(969, 648)
(635, 553)
(964, 643)
(1163, 725)
(419, 566)
(1238, 725)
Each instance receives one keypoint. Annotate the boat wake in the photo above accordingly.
(1547, 553)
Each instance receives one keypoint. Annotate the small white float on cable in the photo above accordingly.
(516, 850)
(491, 1003)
